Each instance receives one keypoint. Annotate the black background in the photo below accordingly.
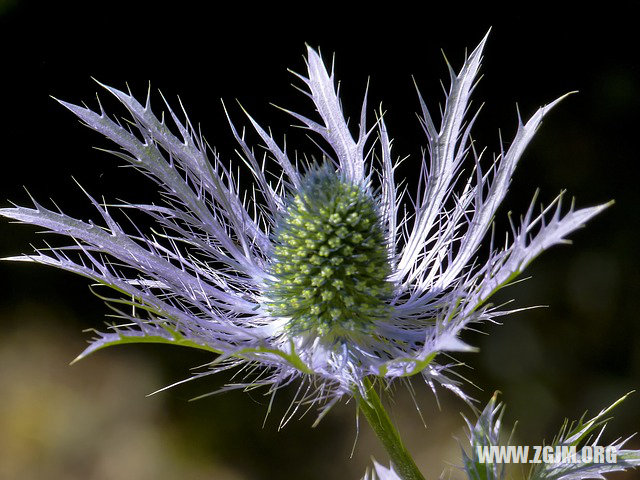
(580, 353)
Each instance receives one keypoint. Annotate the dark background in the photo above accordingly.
(92, 420)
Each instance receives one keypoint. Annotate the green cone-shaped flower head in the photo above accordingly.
(330, 260)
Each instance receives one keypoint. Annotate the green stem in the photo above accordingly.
(371, 406)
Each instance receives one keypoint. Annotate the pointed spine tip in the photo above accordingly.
(77, 359)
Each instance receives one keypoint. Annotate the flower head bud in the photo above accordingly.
(338, 275)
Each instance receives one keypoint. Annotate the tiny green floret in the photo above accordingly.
(330, 262)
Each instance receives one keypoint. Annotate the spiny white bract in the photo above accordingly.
(203, 278)
(380, 472)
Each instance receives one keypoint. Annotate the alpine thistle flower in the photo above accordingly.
(320, 275)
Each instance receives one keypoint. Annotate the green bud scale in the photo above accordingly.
(330, 263)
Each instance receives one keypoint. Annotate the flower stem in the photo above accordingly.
(375, 413)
